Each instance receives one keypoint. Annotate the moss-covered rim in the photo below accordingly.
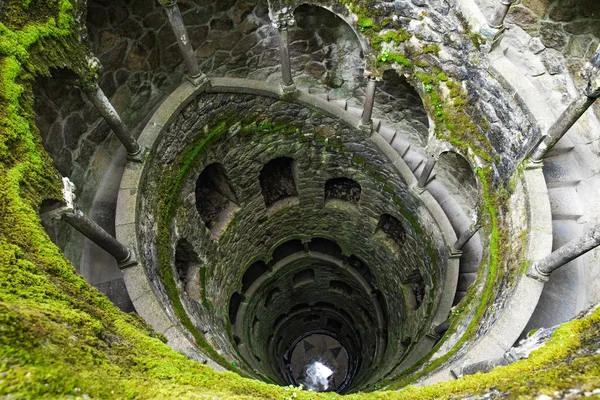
(61, 337)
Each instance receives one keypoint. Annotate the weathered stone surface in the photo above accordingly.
(578, 46)
(73, 129)
(540, 7)
(564, 10)
(553, 61)
(523, 17)
(536, 46)
(553, 35)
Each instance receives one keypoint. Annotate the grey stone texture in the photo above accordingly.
(322, 149)
(571, 27)
(141, 61)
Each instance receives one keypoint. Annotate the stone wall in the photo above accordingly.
(322, 149)
(570, 28)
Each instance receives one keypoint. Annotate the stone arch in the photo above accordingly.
(364, 44)
(235, 301)
(401, 102)
(215, 199)
(286, 249)
(278, 180)
(342, 189)
(392, 230)
(254, 271)
(188, 268)
(326, 47)
(456, 173)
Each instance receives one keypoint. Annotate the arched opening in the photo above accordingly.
(342, 189)
(188, 269)
(456, 174)
(303, 278)
(286, 249)
(400, 104)
(278, 181)
(234, 305)
(325, 246)
(325, 50)
(254, 271)
(215, 199)
(392, 230)
(417, 286)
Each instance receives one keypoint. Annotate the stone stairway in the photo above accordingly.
(416, 160)
(562, 293)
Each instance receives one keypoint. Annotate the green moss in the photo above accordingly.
(431, 48)
(61, 338)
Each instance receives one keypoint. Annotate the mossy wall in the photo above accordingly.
(61, 338)
(245, 132)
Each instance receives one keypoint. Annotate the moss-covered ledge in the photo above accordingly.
(59, 337)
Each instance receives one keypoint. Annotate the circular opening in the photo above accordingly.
(319, 362)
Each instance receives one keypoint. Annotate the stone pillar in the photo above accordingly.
(497, 19)
(426, 173)
(574, 111)
(589, 240)
(494, 29)
(466, 236)
(185, 46)
(95, 94)
(282, 22)
(70, 213)
(366, 123)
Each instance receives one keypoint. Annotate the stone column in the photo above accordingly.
(366, 123)
(185, 46)
(426, 173)
(589, 240)
(282, 22)
(95, 94)
(497, 19)
(494, 28)
(574, 111)
(466, 236)
(70, 213)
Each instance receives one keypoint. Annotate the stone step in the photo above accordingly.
(563, 146)
(563, 231)
(559, 300)
(413, 159)
(400, 145)
(465, 280)
(324, 96)
(387, 132)
(561, 171)
(565, 203)
(355, 111)
(376, 124)
(342, 103)
(460, 222)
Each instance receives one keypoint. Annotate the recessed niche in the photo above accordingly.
(271, 296)
(391, 229)
(215, 199)
(234, 305)
(342, 189)
(325, 246)
(278, 181)
(417, 285)
(340, 287)
(187, 267)
(254, 271)
(303, 277)
(287, 249)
